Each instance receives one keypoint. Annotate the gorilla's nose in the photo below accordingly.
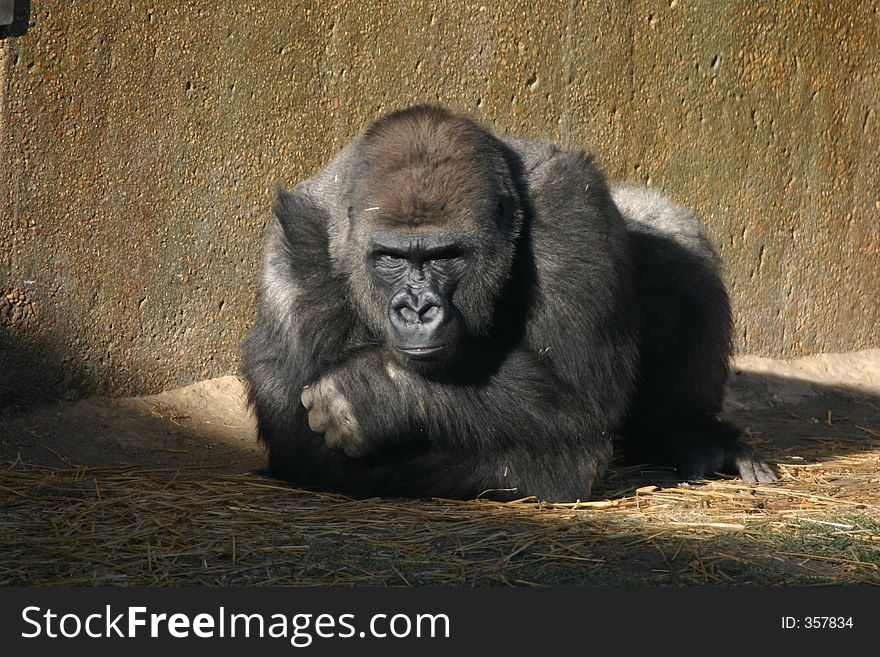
(417, 315)
(420, 306)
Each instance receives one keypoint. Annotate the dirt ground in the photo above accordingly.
(205, 424)
(149, 490)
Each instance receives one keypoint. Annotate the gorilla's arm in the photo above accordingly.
(370, 403)
(522, 432)
(303, 325)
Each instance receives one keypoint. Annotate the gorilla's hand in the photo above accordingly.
(331, 414)
(367, 404)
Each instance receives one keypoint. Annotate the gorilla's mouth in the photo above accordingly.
(422, 353)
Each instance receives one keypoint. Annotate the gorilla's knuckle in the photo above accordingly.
(317, 421)
(307, 397)
(354, 449)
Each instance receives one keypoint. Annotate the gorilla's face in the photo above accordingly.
(420, 274)
(429, 236)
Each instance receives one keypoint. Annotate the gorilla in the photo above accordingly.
(445, 312)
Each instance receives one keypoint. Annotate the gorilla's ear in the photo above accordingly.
(300, 216)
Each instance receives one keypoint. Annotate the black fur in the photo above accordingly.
(581, 315)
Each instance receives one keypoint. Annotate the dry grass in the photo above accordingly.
(76, 526)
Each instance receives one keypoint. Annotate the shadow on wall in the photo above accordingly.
(32, 371)
(21, 16)
(206, 424)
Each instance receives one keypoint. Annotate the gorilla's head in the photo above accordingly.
(430, 233)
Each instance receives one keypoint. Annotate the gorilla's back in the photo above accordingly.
(685, 312)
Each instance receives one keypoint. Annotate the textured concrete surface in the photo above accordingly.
(140, 142)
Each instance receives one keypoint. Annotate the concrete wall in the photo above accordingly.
(140, 142)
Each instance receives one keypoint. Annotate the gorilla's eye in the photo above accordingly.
(445, 263)
(386, 264)
(388, 259)
(445, 255)
(448, 267)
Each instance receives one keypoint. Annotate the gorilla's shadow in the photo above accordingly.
(787, 418)
(34, 372)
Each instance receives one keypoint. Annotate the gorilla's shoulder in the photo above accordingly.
(530, 154)
(327, 185)
(650, 215)
(544, 167)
